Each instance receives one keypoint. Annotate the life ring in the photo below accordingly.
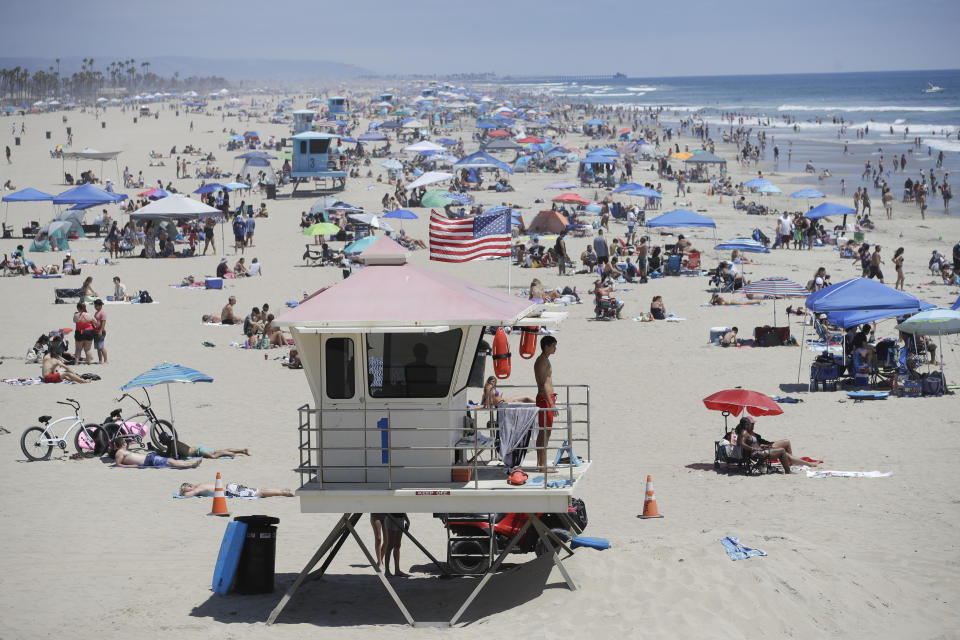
(528, 342)
(501, 355)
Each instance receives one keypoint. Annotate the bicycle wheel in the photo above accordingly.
(158, 429)
(34, 444)
(91, 441)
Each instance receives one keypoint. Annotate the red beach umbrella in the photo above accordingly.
(571, 197)
(498, 133)
(530, 140)
(734, 401)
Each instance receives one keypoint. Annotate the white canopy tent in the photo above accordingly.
(430, 177)
(89, 154)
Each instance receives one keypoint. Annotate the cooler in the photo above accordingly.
(214, 283)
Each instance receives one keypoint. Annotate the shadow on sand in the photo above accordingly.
(348, 600)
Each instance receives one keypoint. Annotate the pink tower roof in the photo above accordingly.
(405, 295)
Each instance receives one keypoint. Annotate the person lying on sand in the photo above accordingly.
(184, 450)
(729, 338)
(233, 490)
(126, 458)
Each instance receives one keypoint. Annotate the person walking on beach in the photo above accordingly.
(898, 262)
(394, 524)
(9, 161)
(887, 199)
(601, 248)
(208, 227)
(875, 263)
(546, 398)
(560, 248)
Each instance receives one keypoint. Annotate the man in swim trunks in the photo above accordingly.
(546, 398)
(186, 451)
(55, 370)
(226, 315)
(232, 490)
(126, 458)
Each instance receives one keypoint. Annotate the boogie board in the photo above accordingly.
(229, 556)
(868, 395)
(587, 541)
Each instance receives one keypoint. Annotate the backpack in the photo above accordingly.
(144, 297)
(933, 384)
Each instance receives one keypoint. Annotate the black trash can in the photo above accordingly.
(271, 192)
(134, 121)
(48, 135)
(103, 125)
(16, 141)
(255, 571)
(69, 130)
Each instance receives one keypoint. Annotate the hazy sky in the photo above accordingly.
(693, 37)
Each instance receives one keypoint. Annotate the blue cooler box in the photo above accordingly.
(214, 283)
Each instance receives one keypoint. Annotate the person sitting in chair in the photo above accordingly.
(604, 292)
(750, 443)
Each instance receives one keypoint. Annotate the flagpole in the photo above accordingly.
(509, 270)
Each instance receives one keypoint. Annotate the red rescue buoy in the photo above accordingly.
(501, 355)
(528, 342)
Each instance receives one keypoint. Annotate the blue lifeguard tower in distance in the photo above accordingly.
(303, 120)
(316, 156)
(337, 105)
(386, 96)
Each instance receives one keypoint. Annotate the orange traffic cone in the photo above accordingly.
(650, 503)
(220, 500)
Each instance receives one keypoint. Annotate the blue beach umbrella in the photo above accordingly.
(769, 188)
(358, 246)
(828, 209)
(756, 183)
(742, 244)
(233, 186)
(401, 214)
(166, 374)
(210, 187)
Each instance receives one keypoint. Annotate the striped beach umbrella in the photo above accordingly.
(776, 288)
(808, 193)
(166, 374)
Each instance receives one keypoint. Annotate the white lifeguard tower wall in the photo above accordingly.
(303, 120)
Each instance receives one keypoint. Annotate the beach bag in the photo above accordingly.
(933, 384)
(144, 297)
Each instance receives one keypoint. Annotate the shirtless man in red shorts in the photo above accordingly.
(55, 370)
(546, 398)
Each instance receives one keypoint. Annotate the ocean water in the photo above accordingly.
(825, 111)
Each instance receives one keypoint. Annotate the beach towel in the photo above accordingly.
(128, 302)
(553, 484)
(180, 497)
(824, 473)
(736, 551)
(26, 382)
(46, 275)
(515, 422)
(787, 400)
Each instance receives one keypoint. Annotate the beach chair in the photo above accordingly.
(693, 261)
(735, 459)
(606, 308)
(723, 282)
(673, 265)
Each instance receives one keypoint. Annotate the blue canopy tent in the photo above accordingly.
(956, 305)
(481, 160)
(27, 195)
(24, 195)
(87, 194)
(628, 186)
(645, 192)
(683, 218)
(859, 301)
(210, 187)
(825, 209)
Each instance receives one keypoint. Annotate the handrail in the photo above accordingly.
(572, 425)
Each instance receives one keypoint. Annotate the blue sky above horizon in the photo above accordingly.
(696, 37)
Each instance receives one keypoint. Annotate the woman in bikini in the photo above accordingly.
(492, 396)
(751, 443)
(898, 263)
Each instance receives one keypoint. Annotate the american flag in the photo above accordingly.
(484, 236)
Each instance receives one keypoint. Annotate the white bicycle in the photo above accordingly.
(38, 442)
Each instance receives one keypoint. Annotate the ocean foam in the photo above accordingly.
(884, 107)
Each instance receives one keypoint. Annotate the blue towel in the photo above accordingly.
(786, 400)
(180, 497)
(737, 551)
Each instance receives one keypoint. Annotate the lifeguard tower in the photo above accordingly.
(386, 96)
(337, 106)
(303, 120)
(316, 156)
(390, 354)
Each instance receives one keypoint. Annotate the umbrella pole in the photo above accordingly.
(176, 453)
(803, 345)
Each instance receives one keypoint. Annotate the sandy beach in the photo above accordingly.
(104, 552)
